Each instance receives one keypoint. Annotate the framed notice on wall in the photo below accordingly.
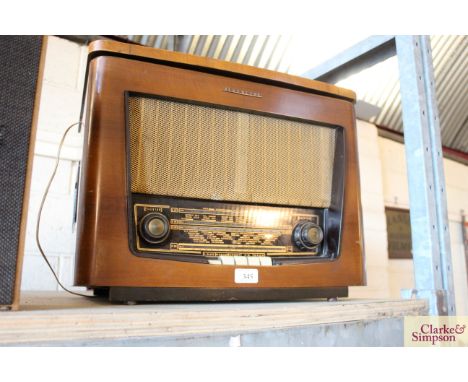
(398, 233)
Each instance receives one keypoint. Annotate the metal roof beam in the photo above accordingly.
(361, 56)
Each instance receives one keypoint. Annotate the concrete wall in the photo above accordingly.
(383, 183)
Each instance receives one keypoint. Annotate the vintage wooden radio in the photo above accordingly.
(208, 180)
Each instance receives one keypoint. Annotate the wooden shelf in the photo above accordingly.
(62, 319)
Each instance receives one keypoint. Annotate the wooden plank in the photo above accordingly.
(60, 317)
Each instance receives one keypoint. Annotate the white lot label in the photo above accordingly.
(246, 276)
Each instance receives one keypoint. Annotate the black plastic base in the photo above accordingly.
(138, 294)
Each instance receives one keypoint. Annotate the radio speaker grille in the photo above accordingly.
(192, 151)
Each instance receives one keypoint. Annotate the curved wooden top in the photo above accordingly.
(108, 47)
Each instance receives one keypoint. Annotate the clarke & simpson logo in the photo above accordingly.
(436, 331)
(433, 334)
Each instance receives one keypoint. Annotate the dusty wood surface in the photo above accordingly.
(53, 316)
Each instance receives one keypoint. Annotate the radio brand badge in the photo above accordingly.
(248, 93)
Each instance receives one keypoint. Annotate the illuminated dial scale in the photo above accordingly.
(227, 229)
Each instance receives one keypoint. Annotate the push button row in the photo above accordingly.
(259, 261)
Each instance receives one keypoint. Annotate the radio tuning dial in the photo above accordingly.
(307, 235)
(154, 227)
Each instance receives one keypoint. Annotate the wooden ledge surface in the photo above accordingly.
(57, 316)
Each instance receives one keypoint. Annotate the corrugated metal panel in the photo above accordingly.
(378, 85)
(269, 52)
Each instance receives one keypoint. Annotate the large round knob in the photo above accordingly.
(154, 227)
(307, 235)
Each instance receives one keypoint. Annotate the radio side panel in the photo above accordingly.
(103, 254)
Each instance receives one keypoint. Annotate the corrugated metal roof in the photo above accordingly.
(378, 85)
(267, 51)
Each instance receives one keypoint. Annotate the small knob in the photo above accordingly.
(154, 227)
(307, 235)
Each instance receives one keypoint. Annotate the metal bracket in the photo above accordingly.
(437, 299)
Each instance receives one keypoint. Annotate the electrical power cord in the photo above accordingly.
(39, 214)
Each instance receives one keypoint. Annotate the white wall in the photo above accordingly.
(395, 188)
(383, 183)
(60, 106)
(374, 222)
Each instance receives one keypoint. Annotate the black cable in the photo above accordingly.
(39, 215)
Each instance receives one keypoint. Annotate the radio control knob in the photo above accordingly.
(154, 227)
(307, 235)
